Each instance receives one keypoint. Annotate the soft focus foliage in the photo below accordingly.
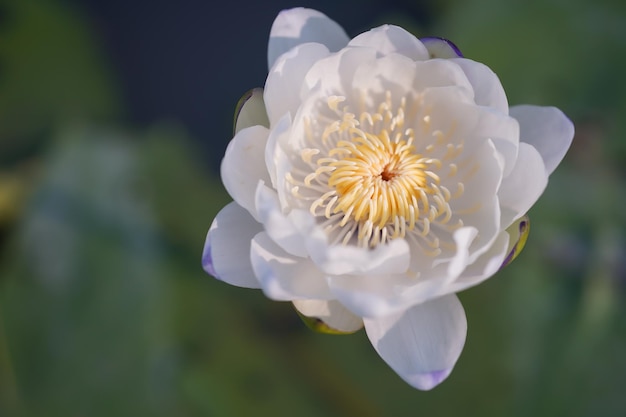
(104, 311)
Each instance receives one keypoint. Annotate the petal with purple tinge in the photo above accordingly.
(226, 253)
(423, 343)
(294, 27)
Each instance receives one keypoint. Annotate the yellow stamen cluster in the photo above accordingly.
(371, 183)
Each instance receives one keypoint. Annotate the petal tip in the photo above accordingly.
(428, 380)
(296, 26)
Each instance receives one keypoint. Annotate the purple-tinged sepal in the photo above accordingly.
(441, 48)
(518, 233)
(207, 257)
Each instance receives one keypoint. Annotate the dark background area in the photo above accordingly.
(190, 61)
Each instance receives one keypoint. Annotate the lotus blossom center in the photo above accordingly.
(367, 182)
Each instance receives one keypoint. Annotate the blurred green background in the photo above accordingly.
(113, 119)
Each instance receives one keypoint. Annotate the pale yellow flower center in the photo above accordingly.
(370, 182)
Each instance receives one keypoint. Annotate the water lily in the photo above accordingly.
(375, 177)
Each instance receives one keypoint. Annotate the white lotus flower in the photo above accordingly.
(374, 178)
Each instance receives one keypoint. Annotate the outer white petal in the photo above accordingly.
(371, 295)
(285, 230)
(389, 39)
(376, 296)
(276, 160)
(283, 276)
(331, 312)
(244, 165)
(421, 344)
(400, 75)
(485, 266)
(334, 74)
(504, 133)
(294, 27)
(391, 258)
(394, 73)
(488, 90)
(441, 73)
(481, 187)
(226, 253)
(523, 186)
(379, 296)
(547, 129)
(284, 81)
(382, 295)
(463, 239)
(252, 111)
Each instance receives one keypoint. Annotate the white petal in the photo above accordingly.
(331, 312)
(371, 295)
(284, 81)
(478, 206)
(251, 111)
(244, 165)
(283, 276)
(226, 253)
(276, 161)
(463, 238)
(381, 295)
(421, 344)
(523, 186)
(394, 73)
(390, 258)
(485, 266)
(401, 75)
(285, 230)
(503, 130)
(441, 73)
(432, 278)
(389, 39)
(547, 129)
(488, 90)
(385, 294)
(334, 74)
(294, 27)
